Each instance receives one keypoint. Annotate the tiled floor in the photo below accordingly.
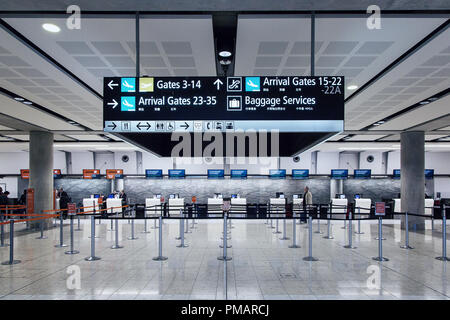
(263, 267)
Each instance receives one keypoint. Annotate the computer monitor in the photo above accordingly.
(279, 195)
(111, 196)
(234, 196)
(157, 196)
(438, 195)
(171, 196)
(357, 196)
(340, 196)
(218, 196)
(96, 196)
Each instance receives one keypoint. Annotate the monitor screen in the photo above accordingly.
(215, 173)
(91, 173)
(279, 195)
(339, 174)
(429, 173)
(277, 173)
(114, 174)
(96, 196)
(157, 196)
(238, 174)
(296, 196)
(396, 174)
(357, 196)
(56, 173)
(111, 196)
(172, 196)
(234, 196)
(177, 173)
(153, 173)
(362, 173)
(300, 173)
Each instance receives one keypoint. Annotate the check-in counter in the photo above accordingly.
(153, 206)
(429, 204)
(175, 205)
(362, 206)
(238, 207)
(89, 203)
(397, 205)
(277, 207)
(215, 206)
(113, 205)
(339, 207)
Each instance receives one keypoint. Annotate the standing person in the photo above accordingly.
(307, 201)
(123, 196)
(23, 201)
(3, 198)
(64, 199)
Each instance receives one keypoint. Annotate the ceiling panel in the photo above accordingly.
(274, 45)
(31, 76)
(365, 137)
(87, 137)
(402, 87)
(5, 128)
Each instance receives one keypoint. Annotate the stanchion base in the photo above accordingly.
(40, 237)
(224, 258)
(228, 246)
(182, 246)
(277, 232)
(284, 238)
(343, 228)
(380, 259)
(271, 227)
(228, 238)
(78, 230)
(356, 232)
(92, 258)
(132, 238)
(379, 238)
(6, 263)
(319, 232)
(188, 231)
(4, 245)
(442, 259)
(96, 237)
(72, 252)
(328, 237)
(116, 247)
(160, 258)
(349, 247)
(154, 228)
(293, 246)
(406, 247)
(310, 259)
(60, 245)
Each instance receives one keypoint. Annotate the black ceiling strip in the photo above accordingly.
(400, 59)
(41, 13)
(46, 56)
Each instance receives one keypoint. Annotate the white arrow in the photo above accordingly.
(218, 82)
(114, 103)
(111, 84)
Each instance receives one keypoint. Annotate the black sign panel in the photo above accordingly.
(167, 104)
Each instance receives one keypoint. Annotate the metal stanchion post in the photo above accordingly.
(116, 244)
(61, 234)
(224, 257)
(182, 245)
(276, 229)
(359, 222)
(329, 215)
(132, 237)
(181, 221)
(294, 233)
(318, 226)
(92, 257)
(41, 228)
(345, 225)
(310, 232)
(160, 257)
(145, 222)
(187, 223)
(380, 242)
(284, 237)
(350, 232)
(444, 236)
(71, 251)
(406, 246)
(11, 245)
(2, 232)
(78, 221)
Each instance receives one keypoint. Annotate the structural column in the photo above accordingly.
(41, 172)
(412, 160)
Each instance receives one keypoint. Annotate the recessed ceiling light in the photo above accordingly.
(352, 87)
(424, 102)
(50, 27)
(225, 54)
(432, 99)
(28, 102)
(19, 99)
(225, 62)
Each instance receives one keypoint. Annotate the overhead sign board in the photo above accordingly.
(25, 173)
(223, 104)
(91, 173)
(114, 174)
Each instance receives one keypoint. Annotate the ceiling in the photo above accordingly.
(405, 62)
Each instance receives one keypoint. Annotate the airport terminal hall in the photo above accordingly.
(224, 158)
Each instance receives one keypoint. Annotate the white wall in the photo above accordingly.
(349, 161)
(327, 161)
(393, 161)
(82, 160)
(150, 161)
(439, 161)
(289, 164)
(376, 166)
(128, 167)
(11, 186)
(104, 161)
(12, 162)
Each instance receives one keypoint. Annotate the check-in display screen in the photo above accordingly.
(189, 104)
(300, 173)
